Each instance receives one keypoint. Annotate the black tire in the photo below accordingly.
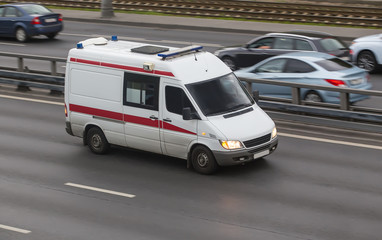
(367, 61)
(97, 141)
(21, 35)
(230, 62)
(312, 96)
(51, 35)
(203, 161)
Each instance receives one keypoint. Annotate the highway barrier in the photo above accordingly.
(25, 77)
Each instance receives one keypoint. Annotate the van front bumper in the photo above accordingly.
(229, 158)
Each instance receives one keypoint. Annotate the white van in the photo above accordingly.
(181, 102)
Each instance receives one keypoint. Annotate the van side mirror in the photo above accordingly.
(188, 115)
(256, 95)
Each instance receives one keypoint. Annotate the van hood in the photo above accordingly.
(244, 124)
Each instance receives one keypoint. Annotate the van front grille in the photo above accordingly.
(257, 141)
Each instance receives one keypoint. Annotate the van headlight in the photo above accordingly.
(230, 145)
(274, 133)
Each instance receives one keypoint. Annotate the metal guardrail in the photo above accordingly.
(55, 82)
(24, 77)
(344, 110)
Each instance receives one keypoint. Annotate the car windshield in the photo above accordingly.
(35, 9)
(334, 64)
(332, 44)
(220, 95)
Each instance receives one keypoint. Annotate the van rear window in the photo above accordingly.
(141, 91)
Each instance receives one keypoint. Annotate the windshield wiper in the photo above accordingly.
(235, 108)
(240, 106)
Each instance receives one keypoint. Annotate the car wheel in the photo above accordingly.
(203, 160)
(312, 96)
(366, 60)
(97, 141)
(51, 35)
(21, 35)
(230, 63)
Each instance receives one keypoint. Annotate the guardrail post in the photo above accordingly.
(344, 101)
(20, 68)
(53, 72)
(53, 68)
(296, 96)
(20, 64)
(249, 87)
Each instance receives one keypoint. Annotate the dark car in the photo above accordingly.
(273, 44)
(24, 20)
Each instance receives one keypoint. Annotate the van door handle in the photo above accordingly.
(152, 117)
(167, 120)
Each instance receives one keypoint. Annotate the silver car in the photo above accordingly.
(308, 68)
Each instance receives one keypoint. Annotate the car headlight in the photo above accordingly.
(274, 132)
(231, 144)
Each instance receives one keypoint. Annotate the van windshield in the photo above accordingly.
(220, 95)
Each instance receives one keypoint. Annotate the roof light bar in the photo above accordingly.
(179, 51)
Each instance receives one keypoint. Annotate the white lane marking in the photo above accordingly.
(147, 40)
(13, 44)
(331, 141)
(31, 100)
(14, 229)
(100, 190)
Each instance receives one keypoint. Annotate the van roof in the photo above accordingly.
(188, 64)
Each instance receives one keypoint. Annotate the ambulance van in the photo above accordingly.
(180, 102)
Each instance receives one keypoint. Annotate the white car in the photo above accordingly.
(366, 52)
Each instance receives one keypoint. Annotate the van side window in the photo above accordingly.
(176, 100)
(141, 91)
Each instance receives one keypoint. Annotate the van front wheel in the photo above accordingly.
(96, 141)
(203, 160)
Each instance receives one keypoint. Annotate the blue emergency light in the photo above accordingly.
(80, 46)
(114, 38)
(179, 51)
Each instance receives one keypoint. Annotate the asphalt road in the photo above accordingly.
(321, 183)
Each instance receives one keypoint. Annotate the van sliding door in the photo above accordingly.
(140, 111)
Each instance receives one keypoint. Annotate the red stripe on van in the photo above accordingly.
(123, 67)
(96, 112)
(126, 118)
(88, 62)
(171, 127)
(141, 120)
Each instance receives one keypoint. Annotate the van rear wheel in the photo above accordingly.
(97, 141)
(203, 160)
